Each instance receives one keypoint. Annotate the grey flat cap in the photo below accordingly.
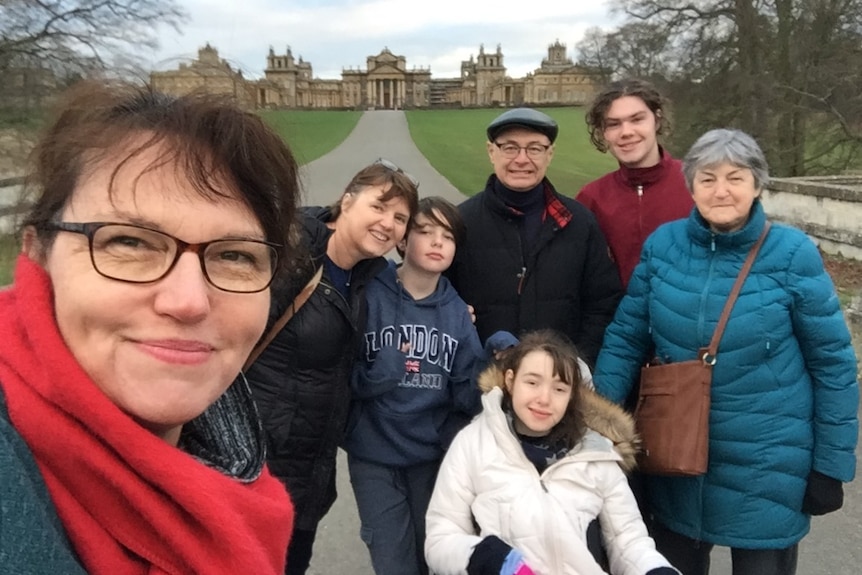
(525, 118)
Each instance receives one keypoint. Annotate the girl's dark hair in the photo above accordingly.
(207, 138)
(378, 174)
(441, 212)
(595, 116)
(571, 427)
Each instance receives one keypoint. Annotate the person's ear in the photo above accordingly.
(32, 246)
(402, 243)
(490, 145)
(347, 200)
(509, 379)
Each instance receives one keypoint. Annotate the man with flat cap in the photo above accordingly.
(533, 258)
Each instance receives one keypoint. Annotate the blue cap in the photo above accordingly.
(523, 118)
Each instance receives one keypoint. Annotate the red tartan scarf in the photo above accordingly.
(130, 502)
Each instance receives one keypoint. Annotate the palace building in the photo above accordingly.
(386, 82)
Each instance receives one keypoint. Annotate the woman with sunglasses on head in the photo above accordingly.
(301, 380)
(129, 443)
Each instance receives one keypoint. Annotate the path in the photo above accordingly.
(834, 546)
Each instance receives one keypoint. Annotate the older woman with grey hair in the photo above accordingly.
(783, 424)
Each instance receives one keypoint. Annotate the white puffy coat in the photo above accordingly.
(487, 483)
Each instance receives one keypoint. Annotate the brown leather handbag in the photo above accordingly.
(672, 414)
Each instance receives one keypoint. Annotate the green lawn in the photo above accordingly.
(311, 134)
(454, 143)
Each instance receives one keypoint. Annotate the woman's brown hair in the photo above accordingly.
(378, 174)
(209, 139)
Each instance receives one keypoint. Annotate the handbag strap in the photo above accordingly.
(291, 310)
(712, 350)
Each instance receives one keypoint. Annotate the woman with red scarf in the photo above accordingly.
(129, 442)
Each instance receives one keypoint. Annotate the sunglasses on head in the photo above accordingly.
(394, 167)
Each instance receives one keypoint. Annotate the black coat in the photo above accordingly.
(301, 380)
(565, 281)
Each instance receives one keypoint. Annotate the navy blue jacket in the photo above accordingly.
(407, 406)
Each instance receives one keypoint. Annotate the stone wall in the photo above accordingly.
(827, 208)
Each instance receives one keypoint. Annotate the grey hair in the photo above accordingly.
(722, 146)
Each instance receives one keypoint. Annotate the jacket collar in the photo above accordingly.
(700, 232)
(634, 177)
(554, 208)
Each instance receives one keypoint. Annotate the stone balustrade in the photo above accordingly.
(827, 208)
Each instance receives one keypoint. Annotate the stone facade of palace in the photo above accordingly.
(386, 82)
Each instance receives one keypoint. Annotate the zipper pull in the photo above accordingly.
(713, 243)
(521, 276)
(640, 190)
(542, 483)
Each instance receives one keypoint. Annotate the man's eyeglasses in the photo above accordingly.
(393, 167)
(134, 254)
(510, 150)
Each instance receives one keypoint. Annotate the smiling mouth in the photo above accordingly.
(177, 351)
(379, 236)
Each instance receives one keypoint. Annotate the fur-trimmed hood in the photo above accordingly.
(600, 415)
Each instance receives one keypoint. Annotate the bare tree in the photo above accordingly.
(636, 49)
(45, 44)
(787, 71)
(91, 30)
(57, 39)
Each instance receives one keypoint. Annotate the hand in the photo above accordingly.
(472, 311)
(823, 494)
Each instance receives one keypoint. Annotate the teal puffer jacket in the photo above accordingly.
(784, 389)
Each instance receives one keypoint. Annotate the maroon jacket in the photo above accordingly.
(631, 203)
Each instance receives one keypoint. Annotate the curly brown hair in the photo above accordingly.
(595, 116)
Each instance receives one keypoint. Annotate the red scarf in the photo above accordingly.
(130, 502)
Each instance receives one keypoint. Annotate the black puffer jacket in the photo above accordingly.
(301, 381)
(565, 281)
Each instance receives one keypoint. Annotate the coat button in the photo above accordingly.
(327, 291)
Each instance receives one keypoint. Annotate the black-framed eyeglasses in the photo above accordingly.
(511, 150)
(135, 254)
(394, 167)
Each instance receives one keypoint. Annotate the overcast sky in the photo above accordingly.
(336, 34)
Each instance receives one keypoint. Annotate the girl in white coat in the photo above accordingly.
(519, 485)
